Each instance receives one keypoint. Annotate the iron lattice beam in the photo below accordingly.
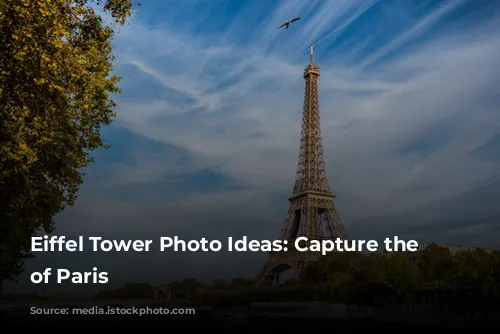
(312, 212)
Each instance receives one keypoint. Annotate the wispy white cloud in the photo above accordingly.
(267, 101)
(328, 13)
(331, 35)
(415, 30)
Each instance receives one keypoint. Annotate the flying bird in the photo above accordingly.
(287, 23)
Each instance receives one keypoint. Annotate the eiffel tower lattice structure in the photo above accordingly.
(312, 212)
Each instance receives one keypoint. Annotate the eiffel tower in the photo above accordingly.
(312, 213)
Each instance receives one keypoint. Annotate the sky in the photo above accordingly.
(206, 139)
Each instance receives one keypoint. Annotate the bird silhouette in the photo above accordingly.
(287, 23)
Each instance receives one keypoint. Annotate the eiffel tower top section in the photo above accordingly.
(311, 68)
(311, 172)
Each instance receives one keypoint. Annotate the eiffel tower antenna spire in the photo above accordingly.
(312, 212)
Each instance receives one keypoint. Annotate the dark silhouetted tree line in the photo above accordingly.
(465, 278)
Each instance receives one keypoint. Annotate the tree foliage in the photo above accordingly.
(478, 270)
(55, 94)
(464, 278)
(352, 277)
(472, 281)
(436, 264)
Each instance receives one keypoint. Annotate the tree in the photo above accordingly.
(436, 264)
(185, 287)
(332, 275)
(372, 268)
(370, 280)
(239, 283)
(219, 283)
(139, 290)
(55, 94)
(479, 271)
(402, 276)
(335, 266)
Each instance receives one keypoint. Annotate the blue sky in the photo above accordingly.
(206, 139)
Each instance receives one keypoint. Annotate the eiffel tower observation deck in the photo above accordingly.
(312, 212)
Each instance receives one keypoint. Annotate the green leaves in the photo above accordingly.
(55, 88)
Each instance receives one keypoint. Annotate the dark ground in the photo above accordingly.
(207, 324)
